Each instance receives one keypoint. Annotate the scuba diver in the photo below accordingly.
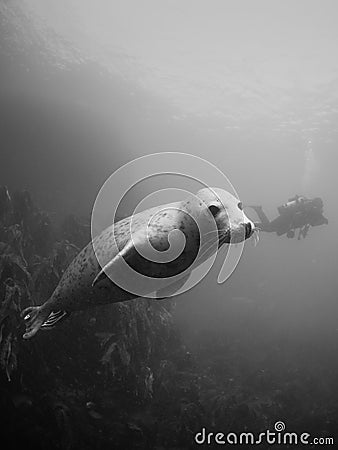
(297, 213)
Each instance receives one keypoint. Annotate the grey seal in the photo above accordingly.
(86, 282)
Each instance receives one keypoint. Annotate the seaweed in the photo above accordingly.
(118, 347)
(120, 376)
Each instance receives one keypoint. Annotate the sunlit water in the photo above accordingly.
(250, 86)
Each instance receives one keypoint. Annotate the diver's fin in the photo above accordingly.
(53, 318)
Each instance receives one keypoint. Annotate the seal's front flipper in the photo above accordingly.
(53, 318)
(171, 289)
(138, 246)
(127, 250)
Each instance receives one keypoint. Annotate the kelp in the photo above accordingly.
(131, 351)
(12, 293)
(119, 376)
(124, 339)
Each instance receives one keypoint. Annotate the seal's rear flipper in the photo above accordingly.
(37, 317)
(34, 317)
(53, 318)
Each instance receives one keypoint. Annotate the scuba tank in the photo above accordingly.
(291, 205)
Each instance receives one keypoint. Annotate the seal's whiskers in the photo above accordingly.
(255, 237)
(213, 246)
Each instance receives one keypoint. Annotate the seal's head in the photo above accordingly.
(232, 224)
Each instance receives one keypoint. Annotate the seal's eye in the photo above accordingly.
(213, 209)
(240, 206)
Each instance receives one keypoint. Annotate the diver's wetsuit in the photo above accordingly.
(302, 214)
(281, 224)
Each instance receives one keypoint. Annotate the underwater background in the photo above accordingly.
(252, 86)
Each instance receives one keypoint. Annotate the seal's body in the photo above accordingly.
(86, 282)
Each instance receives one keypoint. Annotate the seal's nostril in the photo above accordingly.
(248, 230)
